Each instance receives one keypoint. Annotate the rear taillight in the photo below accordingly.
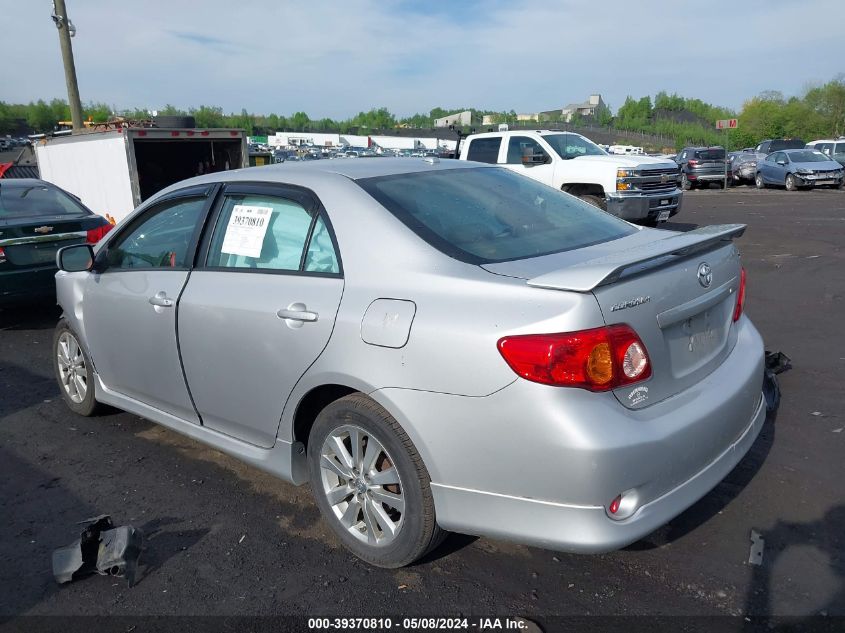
(599, 359)
(692, 162)
(95, 235)
(740, 296)
(2, 256)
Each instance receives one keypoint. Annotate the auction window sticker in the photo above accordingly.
(246, 230)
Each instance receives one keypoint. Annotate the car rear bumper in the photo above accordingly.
(709, 176)
(645, 206)
(27, 283)
(539, 465)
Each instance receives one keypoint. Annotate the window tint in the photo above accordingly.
(161, 240)
(840, 148)
(710, 154)
(263, 232)
(518, 144)
(826, 148)
(484, 150)
(487, 215)
(807, 156)
(321, 256)
(30, 200)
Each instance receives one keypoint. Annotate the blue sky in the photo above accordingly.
(335, 58)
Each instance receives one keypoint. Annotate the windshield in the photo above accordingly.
(786, 144)
(33, 199)
(810, 156)
(488, 215)
(571, 146)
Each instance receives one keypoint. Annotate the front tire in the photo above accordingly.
(370, 483)
(758, 181)
(790, 183)
(73, 371)
(596, 201)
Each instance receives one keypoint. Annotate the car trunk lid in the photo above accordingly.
(678, 293)
(33, 242)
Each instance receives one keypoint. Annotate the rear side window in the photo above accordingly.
(488, 215)
(710, 154)
(270, 233)
(32, 200)
(484, 150)
(840, 148)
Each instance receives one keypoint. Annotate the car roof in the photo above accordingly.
(521, 133)
(366, 168)
(24, 182)
(308, 173)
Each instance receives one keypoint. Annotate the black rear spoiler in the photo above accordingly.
(601, 271)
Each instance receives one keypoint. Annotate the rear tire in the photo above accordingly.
(596, 201)
(355, 489)
(686, 185)
(758, 181)
(73, 371)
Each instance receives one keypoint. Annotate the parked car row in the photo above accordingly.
(789, 163)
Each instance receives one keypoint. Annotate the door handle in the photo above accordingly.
(160, 299)
(297, 312)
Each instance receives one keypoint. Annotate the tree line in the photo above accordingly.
(818, 113)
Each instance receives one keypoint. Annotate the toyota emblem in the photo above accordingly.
(705, 275)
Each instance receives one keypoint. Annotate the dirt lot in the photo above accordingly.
(226, 539)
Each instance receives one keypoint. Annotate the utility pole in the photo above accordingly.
(66, 31)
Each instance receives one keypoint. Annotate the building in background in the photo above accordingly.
(458, 118)
(590, 108)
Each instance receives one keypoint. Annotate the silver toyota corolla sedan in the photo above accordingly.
(432, 345)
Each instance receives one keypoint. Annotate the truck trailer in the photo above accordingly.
(114, 170)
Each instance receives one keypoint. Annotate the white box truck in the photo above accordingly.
(112, 171)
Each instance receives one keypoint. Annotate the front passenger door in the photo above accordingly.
(260, 309)
(517, 147)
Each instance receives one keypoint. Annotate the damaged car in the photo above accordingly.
(432, 346)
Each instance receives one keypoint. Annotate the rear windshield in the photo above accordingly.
(808, 156)
(710, 154)
(488, 215)
(31, 200)
(776, 146)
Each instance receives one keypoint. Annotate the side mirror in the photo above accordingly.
(530, 157)
(781, 162)
(76, 258)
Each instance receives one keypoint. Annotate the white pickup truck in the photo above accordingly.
(639, 189)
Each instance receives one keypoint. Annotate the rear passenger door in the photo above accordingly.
(259, 307)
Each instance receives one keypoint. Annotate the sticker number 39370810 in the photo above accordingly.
(246, 230)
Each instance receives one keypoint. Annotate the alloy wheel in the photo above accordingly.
(362, 485)
(73, 373)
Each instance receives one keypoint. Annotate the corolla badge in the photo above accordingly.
(705, 275)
